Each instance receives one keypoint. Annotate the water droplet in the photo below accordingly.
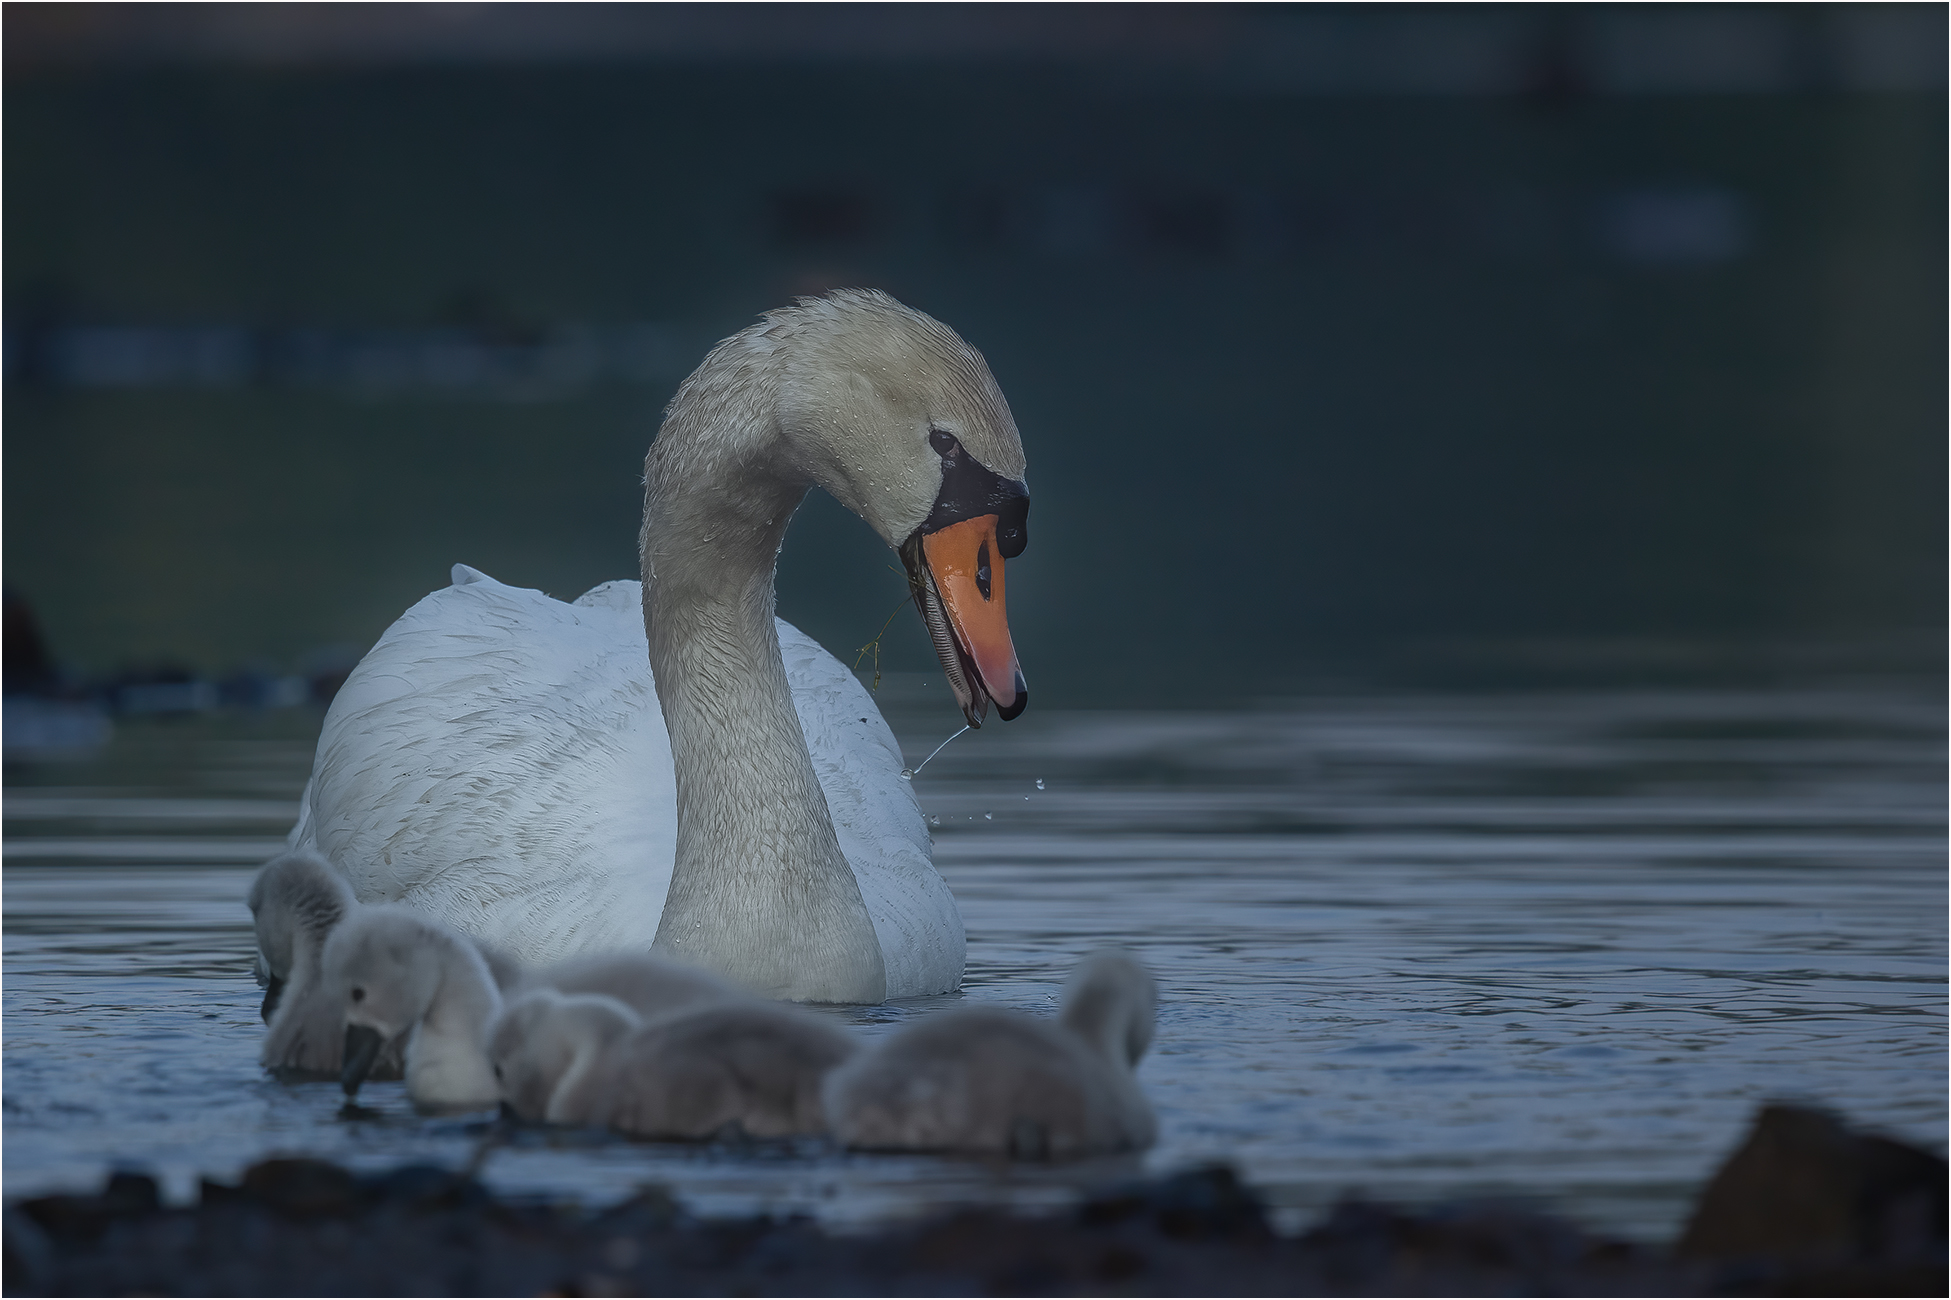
(907, 774)
(934, 819)
(989, 817)
(1039, 785)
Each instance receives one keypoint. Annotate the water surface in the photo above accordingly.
(1556, 945)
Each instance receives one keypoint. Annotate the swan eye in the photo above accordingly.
(943, 442)
(982, 570)
(359, 995)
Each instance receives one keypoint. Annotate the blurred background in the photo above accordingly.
(1485, 601)
(1509, 341)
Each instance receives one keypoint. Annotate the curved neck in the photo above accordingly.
(760, 891)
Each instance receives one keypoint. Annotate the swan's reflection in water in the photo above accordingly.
(1555, 945)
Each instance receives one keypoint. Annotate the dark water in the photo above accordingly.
(1557, 945)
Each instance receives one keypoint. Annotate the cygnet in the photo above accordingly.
(296, 901)
(404, 979)
(991, 1080)
(587, 1059)
(373, 988)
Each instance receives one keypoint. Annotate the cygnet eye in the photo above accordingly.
(943, 442)
(359, 995)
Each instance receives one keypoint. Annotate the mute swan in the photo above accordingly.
(588, 1060)
(296, 900)
(985, 1079)
(500, 760)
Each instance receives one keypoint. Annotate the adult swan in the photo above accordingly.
(499, 759)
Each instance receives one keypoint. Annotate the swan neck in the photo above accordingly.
(760, 892)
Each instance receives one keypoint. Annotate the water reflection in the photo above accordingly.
(1423, 945)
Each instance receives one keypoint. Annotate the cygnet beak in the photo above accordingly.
(362, 1045)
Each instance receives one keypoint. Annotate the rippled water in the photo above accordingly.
(1555, 945)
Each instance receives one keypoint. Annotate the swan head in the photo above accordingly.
(385, 965)
(901, 422)
(534, 1041)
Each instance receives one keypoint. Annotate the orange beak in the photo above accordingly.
(967, 566)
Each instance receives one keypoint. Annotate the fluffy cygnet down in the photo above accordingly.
(587, 1059)
(403, 979)
(650, 986)
(986, 1079)
(296, 901)
(424, 992)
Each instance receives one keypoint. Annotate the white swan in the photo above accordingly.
(986, 1079)
(500, 760)
(589, 1059)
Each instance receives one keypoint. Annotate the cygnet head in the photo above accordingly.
(296, 900)
(1112, 1002)
(537, 1038)
(902, 423)
(390, 966)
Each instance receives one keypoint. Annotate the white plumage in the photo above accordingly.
(499, 761)
(504, 762)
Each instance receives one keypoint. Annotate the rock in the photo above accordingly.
(124, 1194)
(303, 1188)
(1804, 1190)
(1494, 1248)
(1205, 1202)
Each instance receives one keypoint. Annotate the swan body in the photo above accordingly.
(991, 1080)
(583, 1059)
(667, 764)
(514, 827)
